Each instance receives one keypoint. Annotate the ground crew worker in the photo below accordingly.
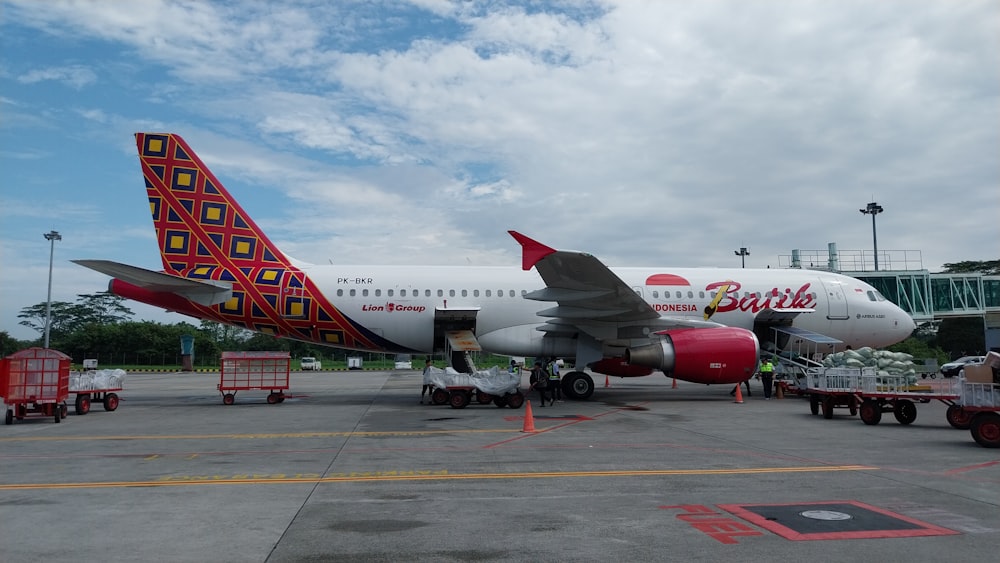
(428, 388)
(555, 389)
(767, 377)
(539, 381)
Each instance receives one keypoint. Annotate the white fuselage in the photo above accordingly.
(400, 303)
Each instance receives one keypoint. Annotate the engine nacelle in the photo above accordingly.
(703, 355)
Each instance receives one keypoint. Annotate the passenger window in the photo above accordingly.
(451, 292)
(352, 293)
(690, 295)
(475, 293)
(364, 293)
(465, 293)
(340, 293)
(701, 294)
(440, 293)
(656, 294)
(389, 293)
(378, 293)
(678, 295)
(427, 293)
(512, 293)
(489, 293)
(402, 293)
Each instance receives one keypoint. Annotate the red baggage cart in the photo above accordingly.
(101, 386)
(35, 382)
(245, 371)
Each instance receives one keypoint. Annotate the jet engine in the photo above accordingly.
(703, 355)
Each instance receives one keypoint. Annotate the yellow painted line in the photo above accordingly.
(181, 481)
(258, 436)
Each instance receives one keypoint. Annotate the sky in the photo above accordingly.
(661, 133)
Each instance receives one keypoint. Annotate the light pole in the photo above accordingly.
(742, 253)
(873, 209)
(52, 237)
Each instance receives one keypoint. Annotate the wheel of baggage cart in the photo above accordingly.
(814, 404)
(21, 412)
(985, 429)
(500, 402)
(905, 411)
(958, 417)
(459, 399)
(871, 412)
(281, 398)
(228, 399)
(828, 407)
(853, 405)
(110, 402)
(9, 419)
(439, 397)
(57, 412)
(515, 400)
(63, 410)
(82, 404)
(483, 398)
(272, 398)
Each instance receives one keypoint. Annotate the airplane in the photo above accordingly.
(696, 324)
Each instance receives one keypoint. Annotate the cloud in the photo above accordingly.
(76, 76)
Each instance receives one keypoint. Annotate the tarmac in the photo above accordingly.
(351, 467)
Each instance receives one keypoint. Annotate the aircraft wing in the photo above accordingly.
(203, 292)
(587, 292)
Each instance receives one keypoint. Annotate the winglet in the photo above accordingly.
(531, 250)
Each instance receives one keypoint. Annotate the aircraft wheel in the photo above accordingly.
(871, 412)
(459, 399)
(904, 411)
(439, 397)
(828, 407)
(814, 404)
(986, 429)
(515, 400)
(958, 417)
(228, 399)
(578, 386)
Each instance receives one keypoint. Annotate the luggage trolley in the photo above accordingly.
(101, 386)
(979, 405)
(35, 382)
(245, 371)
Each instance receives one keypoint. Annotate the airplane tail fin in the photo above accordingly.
(199, 226)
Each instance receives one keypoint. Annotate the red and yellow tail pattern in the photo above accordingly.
(203, 233)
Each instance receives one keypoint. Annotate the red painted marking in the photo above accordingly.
(787, 533)
(721, 528)
(666, 279)
(971, 467)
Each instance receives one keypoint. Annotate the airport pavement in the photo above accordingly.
(353, 468)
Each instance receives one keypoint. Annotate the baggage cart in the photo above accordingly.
(100, 386)
(35, 382)
(865, 392)
(246, 371)
(485, 386)
(979, 409)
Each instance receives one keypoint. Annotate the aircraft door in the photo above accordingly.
(836, 299)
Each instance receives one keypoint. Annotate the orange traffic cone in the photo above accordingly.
(739, 394)
(529, 419)
(606, 382)
(674, 386)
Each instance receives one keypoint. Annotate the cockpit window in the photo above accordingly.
(874, 295)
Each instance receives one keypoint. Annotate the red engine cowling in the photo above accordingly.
(702, 355)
